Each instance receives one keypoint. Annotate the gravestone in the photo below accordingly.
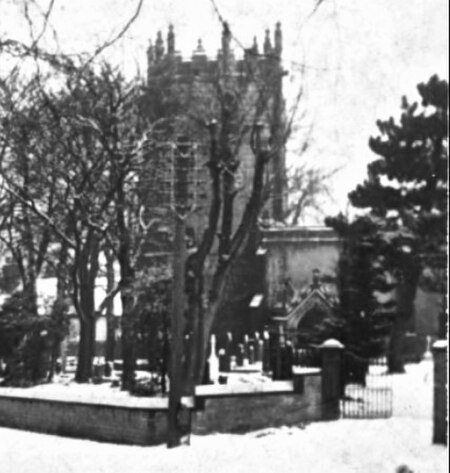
(259, 351)
(224, 361)
(251, 357)
(240, 355)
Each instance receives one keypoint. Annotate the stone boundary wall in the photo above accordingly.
(275, 406)
(93, 421)
(217, 408)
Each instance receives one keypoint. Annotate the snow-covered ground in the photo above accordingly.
(369, 446)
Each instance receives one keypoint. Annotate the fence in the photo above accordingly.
(364, 385)
(366, 388)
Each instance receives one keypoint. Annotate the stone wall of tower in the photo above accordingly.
(191, 89)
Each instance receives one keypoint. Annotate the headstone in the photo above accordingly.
(428, 356)
(223, 379)
(108, 369)
(96, 368)
(229, 349)
(240, 355)
(266, 352)
(64, 344)
(251, 357)
(224, 361)
(277, 342)
(246, 346)
(288, 360)
(297, 360)
(213, 362)
(259, 351)
(96, 371)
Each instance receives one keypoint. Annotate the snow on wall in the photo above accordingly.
(136, 426)
(233, 414)
(139, 422)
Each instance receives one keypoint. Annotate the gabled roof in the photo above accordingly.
(316, 299)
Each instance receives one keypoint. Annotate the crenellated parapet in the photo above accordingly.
(163, 56)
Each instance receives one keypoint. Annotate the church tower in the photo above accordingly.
(236, 92)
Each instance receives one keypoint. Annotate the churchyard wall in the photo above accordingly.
(143, 421)
(129, 423)
(221, 410)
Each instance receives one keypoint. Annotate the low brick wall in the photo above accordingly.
(227, 409)
(94, 421)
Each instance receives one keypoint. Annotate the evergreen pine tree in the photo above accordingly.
(406, 194)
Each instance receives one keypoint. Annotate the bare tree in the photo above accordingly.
(306, 186)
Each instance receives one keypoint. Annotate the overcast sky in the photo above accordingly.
(359, 57)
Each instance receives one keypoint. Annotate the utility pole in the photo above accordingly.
(176, 341)
(182, 186)
(172, 177)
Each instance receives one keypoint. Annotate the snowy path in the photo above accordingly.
(369, 446)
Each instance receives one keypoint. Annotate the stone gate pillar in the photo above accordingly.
(440, 420)
(331, 378)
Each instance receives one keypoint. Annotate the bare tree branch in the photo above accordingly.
(29, 203)
(119, 35)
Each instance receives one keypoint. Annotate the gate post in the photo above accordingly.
(331, 378)
(440, 392)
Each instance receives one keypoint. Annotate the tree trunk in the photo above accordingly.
(59, 311)
(396, 345)
(405, 297)
(128, 340)
(110, 323)
(194, 291)
(110, 350)
(85, 349)
(85, 275)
